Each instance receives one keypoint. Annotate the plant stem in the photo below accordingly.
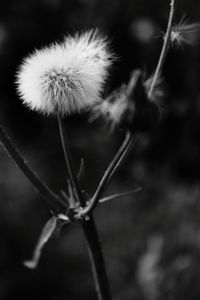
(51, 199)
(97, 259)
(121, 154)
(68, 160)
(120, 195)
(88, 226)
(164, 48)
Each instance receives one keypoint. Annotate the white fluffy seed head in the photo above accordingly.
(65, 78)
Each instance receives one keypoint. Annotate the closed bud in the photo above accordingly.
(141, 113)
(130, 107)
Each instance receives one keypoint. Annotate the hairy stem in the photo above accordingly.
(50, 198)
(88, 226)
(164, 49)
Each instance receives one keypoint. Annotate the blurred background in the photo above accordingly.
(151, 240)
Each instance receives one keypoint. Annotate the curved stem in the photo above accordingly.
(51, 199)
(121, 154)
(125, 154)
(164, 49)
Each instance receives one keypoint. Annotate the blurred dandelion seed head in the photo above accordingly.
(114, 106)
(66, 77)
(184, 33)
(118, 103)
(143, 29)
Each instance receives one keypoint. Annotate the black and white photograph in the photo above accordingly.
(100, 149)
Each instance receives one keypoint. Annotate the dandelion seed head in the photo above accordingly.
(176, 37)
(67, 77)
(115, 105)
(183, 33)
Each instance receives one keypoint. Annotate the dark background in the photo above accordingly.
(151, 241)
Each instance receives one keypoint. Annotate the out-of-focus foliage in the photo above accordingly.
(151, 241)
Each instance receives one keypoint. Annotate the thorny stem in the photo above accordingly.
(123, 151)
(51, 199)
(164, 48)
(88, 226)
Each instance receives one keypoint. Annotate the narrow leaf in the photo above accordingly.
(81, 169)
(71, 198)
(120, 195)
(46, 233)
(64, 196)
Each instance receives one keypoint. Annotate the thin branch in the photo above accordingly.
(81, 169)
(120, 195)
(164, 48)
(68, 161)
(124, 156)
(51, 199)
(125, 148)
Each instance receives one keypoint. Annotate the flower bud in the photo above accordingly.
(130, 107)
(141, 114)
